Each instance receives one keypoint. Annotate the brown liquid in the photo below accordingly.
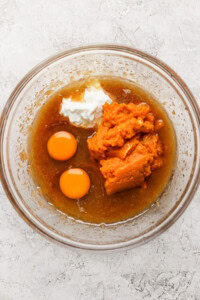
(96, 206)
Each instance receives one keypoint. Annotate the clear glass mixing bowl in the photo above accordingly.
(33, 91)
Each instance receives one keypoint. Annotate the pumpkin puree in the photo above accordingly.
(127, 145)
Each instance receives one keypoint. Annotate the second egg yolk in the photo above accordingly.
(62, 145)
(74, 183)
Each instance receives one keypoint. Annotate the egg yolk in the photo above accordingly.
(62, 145)
(74, 183)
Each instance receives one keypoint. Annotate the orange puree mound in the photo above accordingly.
(121, 174)
(120, 122)
(127, 146)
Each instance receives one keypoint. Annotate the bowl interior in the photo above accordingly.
(34, 91)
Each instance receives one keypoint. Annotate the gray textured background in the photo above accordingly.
(33, 268)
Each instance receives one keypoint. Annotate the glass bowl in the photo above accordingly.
(99, 60)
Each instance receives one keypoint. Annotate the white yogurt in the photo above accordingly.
(88, 111)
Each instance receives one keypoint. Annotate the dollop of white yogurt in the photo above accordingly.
(88, 111)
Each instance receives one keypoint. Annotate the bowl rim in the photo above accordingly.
(164, 225)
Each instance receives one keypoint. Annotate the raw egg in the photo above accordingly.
(74, 183)
(62, 145)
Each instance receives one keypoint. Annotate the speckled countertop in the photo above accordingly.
(30, 266)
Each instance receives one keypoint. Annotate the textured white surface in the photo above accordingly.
(33, 268)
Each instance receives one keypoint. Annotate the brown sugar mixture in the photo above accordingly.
(129, 158)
